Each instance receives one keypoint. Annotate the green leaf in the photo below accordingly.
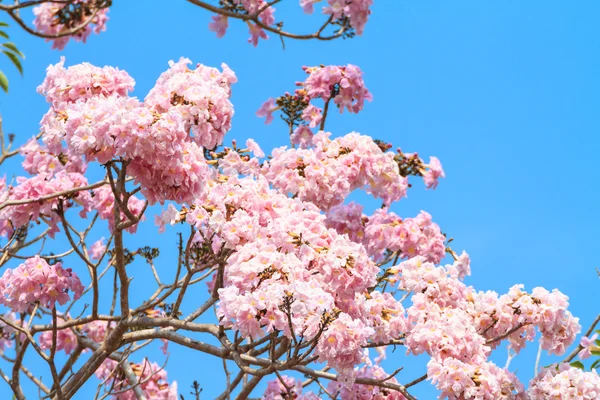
(596, 352)
(3, 23)
(3, 82)
(4, 35)
(595, 364)
(15, 60)
(597, 342)
(577, 364)
(11, 46)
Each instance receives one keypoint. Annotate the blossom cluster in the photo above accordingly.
(289, 272)
(327, 174)
(152, 380)
(458, 327)
(384, 230)
(161, 138)
(565, 383)
(81, 16)
(37, 281)
(342, 84)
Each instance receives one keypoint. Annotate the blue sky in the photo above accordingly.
(506, 94)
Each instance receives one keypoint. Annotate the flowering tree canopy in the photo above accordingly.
(287, 277)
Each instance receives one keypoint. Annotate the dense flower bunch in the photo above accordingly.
(161, 138)
(458, 327)
(385, 230)
(151, 377)
(37, 281)
(328, 173)
(565, 383)
(59, 18)
(290, 273)
(37, 187)
(342, 84)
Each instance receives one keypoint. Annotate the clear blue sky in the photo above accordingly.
(506, 94)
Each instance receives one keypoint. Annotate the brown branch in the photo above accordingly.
(51, 196)
(255, 18)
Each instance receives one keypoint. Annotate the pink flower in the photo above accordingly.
(256, 32)
(312, 115)
(97, 249)
(434, 172)
(169, 216)
(254, 148)
(219, 25)
(589, 345)
(307, 5)
(266, 110)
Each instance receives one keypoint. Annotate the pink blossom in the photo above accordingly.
(434, 172)
(219, 25)
(97, 249)
(313, 115)
(589, 345)
(307, 5)
(252, 146)
(266, 110)
(66, 340)
(169, 216)
(302, 137)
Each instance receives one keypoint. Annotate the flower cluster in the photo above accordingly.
(458, 327)
(289, 272)
(565, 383)
(290, 388)
(385, 230)
(80, 16)
(151, 377)
(162, 139)
(37, 281)
(327, 174)
(342, 84)
(468, 380)
(14, 217)
(66, 340)
(220, 22)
